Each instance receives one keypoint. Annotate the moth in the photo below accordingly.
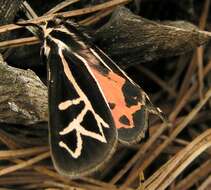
(93, 104)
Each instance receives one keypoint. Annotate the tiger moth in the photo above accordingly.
(93, 104)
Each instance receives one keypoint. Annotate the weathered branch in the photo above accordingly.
(131, 39)
(23, 97)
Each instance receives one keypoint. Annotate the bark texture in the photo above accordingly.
(8, 10)
(130, 39)
(23, 97)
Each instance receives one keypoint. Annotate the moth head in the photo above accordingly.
(58, 20)
(42, 29)
(55, 22)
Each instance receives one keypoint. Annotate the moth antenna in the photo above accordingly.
(157, 111)
(39, 29)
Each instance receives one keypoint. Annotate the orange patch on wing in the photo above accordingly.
(111, 86)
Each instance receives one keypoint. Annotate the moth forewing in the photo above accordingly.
(82, 132)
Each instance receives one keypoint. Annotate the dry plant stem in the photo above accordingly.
(206, 184)
(194, 149)
(177, 140)
(30, 12)
(202, 24)
(188, 94)
(34, 40)
(181, 64)
(39, 186)
(88, 187)
(163, 177)
(96, 17)
(26, 172)
(208, 67)
(19, 42)
(192, 66)
(61, 185)
(74, 187)
(204, 15)
(67, 14)
(182, 103)
(11, 154)
(157, 80)
(18, 180)
(199, 54)
(24, 164)
(194, 176)
(12, 145)
(200, 51)
(60, 6)
(186, 80)
(98, 183)
(6, 139)
(174, 133)
(92, 187)
(157, 134)
(44, 170)
(54, 175)
(46, 186)
(50, 173)
(192, 155)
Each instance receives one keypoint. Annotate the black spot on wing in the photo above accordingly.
(89, 123)
(131, 93)
(112, 105)
(124, 120)
(133, 135)
(70, 140)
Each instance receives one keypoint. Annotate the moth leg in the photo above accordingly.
(155, 110)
